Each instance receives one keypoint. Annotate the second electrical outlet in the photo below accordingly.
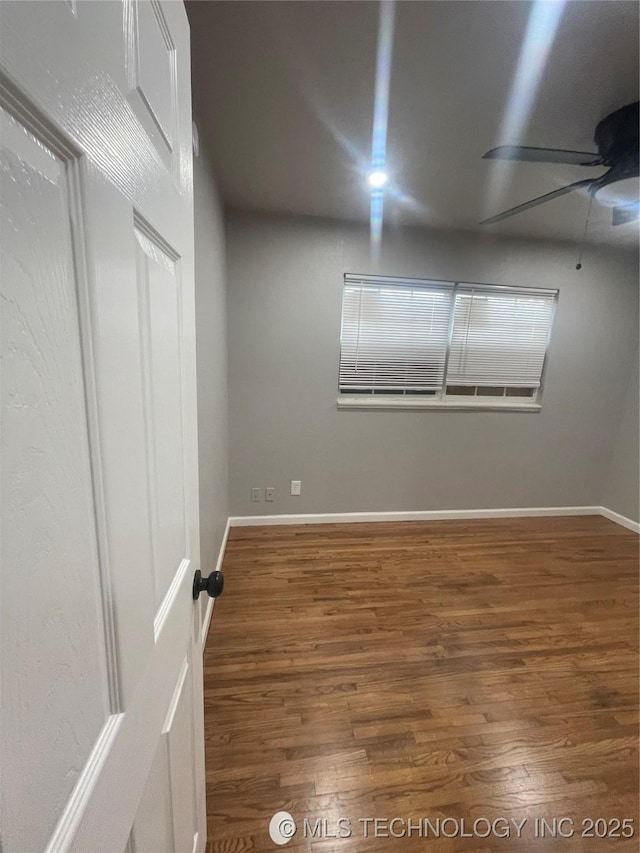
(296, 487)
(269, 493)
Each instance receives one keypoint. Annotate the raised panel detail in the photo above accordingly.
(180, 733)
(54, 671)
(159, 297)
(154, 69)
(166, 815)
(153, 827)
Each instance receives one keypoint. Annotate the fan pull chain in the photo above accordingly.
(584, 234)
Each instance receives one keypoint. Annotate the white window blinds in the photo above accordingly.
(499, 336)
(409, 336)
(394, 335)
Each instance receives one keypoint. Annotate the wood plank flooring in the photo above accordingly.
(461, 669)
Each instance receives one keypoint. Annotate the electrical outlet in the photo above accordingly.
(269, 493)
(296, 487)
(255, 495)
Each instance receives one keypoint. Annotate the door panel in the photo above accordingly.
(153, 827)
(159, 301)
(155, 68)
(102, 689)
(179, 730)
(166, 815)
(55, 695)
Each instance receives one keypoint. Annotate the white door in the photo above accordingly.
(102, 722)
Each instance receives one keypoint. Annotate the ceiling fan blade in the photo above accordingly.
(624, 214)
(536, 201)
(526, 154)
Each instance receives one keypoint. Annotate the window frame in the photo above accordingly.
(441, 400)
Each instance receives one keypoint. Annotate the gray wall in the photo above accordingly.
(622, 491)
(211, 333)
(284, 303)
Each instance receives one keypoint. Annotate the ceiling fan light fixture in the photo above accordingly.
(619, 193)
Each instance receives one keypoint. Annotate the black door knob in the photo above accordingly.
(213, 585)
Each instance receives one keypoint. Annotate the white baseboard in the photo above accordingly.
(428, 515)
(622, 520)
(415, 515)
(212, 601)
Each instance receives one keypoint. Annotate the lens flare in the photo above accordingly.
(378, 177)
(544, 19)
(377, 180)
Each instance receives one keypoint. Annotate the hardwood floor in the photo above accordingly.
(461, 669)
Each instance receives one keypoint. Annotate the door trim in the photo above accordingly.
(66, 828)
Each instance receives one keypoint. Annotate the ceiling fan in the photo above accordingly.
(616, 138)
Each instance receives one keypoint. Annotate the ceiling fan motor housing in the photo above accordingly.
(616, 136)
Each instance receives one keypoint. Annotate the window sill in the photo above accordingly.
(413, 405)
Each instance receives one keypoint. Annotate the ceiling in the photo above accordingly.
(284, 93)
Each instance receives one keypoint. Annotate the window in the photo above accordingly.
(394, 337)
(420, 344)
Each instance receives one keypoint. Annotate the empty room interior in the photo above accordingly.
(320, 454)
